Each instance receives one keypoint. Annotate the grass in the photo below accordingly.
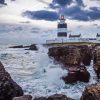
(73, 43)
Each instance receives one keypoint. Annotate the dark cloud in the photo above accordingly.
(3, 2)
(41, 15)
(80, 2)
(53, 6)
(76, 12)
(63, 3)
(94, 13)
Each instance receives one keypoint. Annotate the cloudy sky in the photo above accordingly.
(81, 15)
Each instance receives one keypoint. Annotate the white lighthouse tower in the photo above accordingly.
(62, 27)
(61, 31)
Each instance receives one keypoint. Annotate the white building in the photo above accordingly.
(74, 36)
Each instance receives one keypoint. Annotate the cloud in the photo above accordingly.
(98, 27)
(63, 3)
(80, 2)
(73, 12)
(94, 13)
(77, 13)
(3, 2)
(13, 0)
(41, 15)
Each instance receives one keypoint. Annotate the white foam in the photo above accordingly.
(38, 75)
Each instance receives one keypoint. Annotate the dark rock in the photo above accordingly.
(2, 69)
(86, 54)
(8, 88)
(96, 60)
(19, 46)
(54, 97)
(72, 55)
(69, 55)
(77, 74)
(58, 97)
(41, 98)
(91, 92)
(83, 74)
(30, 47)
(33, 47)
(97, 70)
(25, 97)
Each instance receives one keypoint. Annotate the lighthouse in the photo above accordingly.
(62, 27)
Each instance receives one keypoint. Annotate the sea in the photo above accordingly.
(35, 71)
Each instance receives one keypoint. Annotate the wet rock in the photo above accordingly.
(40, 98)
(8, 88)
(96, 60)
(30, 47)
(72, 55)
(77, 74)
(33, 47)
(2, 69)
(58, 97)
(73, 60)
(91, 92)
(25, 97)
(86, 54)
(69, 55)
(54, 97)
(19, 46)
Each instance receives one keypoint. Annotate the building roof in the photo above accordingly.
(70, 36)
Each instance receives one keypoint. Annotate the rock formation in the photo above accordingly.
(96, 59)
(33, 47)
(74, 58)
(91, 92)
(69, 55)
(86, 54)
(30, 47)
(54, 97)
(77, 74)
(8, 88)
(18, 46)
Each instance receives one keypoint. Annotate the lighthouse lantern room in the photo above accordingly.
(62, 27)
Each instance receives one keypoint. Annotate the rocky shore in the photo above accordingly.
(91, 92)
(54, 97)
(96, 59)
(29, 47)
(74, 60)
(8, 88)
